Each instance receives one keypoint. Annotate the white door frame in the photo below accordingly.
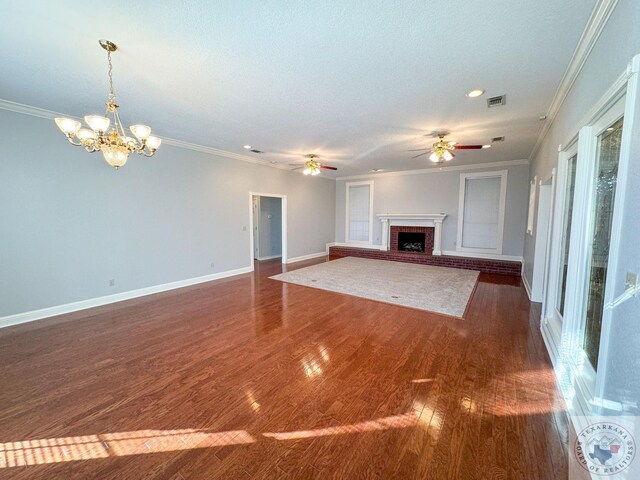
(284, 223)
(587, 387)
(544, 220)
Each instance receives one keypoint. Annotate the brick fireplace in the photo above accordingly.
(428, 223)
(406, 238)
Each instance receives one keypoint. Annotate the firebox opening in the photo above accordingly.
(411, 241)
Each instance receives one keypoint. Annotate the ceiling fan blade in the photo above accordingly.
(416, 156)
(328, 167)
(418, 149)
(295, 165)
(467, 147)
(299, 167)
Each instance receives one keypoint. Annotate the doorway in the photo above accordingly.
(542, 240)
(268, 226)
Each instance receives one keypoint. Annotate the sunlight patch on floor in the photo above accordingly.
(396, 421)
(91, 447)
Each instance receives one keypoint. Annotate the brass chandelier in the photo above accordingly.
(114, 144)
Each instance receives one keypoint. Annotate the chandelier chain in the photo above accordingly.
(112, 94)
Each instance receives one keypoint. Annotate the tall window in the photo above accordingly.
(481, 211)
(605, 180)
(569, 189)
(359, 202)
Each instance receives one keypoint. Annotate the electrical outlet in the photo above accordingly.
(632, 283)
(112, 283)
(244, 228)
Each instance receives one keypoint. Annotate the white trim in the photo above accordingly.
(355, 245)
(118, 297)
(284, 223)
(306, 257)
(488, 256)
(50, 115)
(550, 234)
(346, 217)
(502, 174)
(533, 185)
(451, 168)
(598, 19)
(269, 258)
(525, 282)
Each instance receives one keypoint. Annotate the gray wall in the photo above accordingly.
(70, 223)
(438, 192)
(270, 227)
(617, 44)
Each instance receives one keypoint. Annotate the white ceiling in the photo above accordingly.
(359, 83)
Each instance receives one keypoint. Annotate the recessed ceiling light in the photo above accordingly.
(475, 93)
(376, 170)
(248, 147)
(486, 146)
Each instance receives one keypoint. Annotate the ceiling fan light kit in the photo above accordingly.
(312, 165)
(114, 144)
(442, 151)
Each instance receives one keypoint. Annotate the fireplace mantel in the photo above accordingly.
(413, 220)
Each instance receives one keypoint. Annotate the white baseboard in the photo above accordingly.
(306, 257)
(488, 256)
(118, 297)
(527, 287)
(268, 258)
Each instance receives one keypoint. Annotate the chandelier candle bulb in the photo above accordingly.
(85, 135)
(97, 123)
(114, 144)
(153, 142)
(68, 125)
(141, 132)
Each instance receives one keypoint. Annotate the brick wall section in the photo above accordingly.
(428, 237)
(502, 267)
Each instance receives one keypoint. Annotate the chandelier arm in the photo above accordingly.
(70, 139)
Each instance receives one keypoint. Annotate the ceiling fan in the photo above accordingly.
(311, 166)
(441, 151)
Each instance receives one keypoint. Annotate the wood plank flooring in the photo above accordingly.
(249, 378)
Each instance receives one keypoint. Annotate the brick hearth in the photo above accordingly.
(503, 267)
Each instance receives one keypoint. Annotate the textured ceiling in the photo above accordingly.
(359, 83)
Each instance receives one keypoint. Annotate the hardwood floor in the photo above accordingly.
(247, 378)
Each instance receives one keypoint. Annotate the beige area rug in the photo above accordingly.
(436, 289)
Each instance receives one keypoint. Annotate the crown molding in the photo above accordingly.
(453, 168)
(50, 115)
(598, 19)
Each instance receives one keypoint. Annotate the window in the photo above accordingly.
(359, 202)
(565, 241)
(481, 212)
(604, 192)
